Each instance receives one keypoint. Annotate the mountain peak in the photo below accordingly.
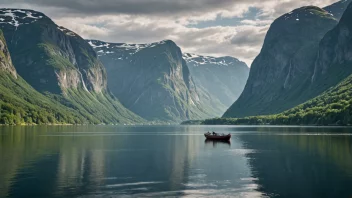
(103, 48)
(284, 66)
(17, 17)
(306, 13)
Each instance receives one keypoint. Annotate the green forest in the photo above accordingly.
(333, 107)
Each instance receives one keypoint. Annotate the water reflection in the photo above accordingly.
(68, 162)
(307, 163)
(80, 161)
(216, 142)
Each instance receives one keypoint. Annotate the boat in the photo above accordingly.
(219, 137)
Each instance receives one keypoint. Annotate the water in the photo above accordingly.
(175, 161)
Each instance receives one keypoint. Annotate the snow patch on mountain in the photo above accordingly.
(66, 31)
(17, 17)
(124, 49)
(198, 60)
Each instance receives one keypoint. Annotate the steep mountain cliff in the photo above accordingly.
(333, 107)
(281, 74)
(334, 58)
(61, 64)
(6, 66)
(223, 77)
(333, 63)
(154, 81)
(20, 103)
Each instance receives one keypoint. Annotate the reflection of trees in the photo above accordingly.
(333, 149)
(301, 165)
(334, 146)
(79, 160)
(18, 146)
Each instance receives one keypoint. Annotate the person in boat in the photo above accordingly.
(214, 133)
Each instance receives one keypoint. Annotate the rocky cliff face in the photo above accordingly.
(55, 60)
(282, 71)
(20, 103)
(5, 58)
(335, 53)
(223, 77)
(43, 52)
(154, 81)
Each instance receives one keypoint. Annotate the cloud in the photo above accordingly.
(144, 21)
(249, 36)
(226, 8)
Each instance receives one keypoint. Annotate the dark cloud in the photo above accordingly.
(156, 7)
(128, 6)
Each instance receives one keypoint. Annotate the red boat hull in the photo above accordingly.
(221, 138)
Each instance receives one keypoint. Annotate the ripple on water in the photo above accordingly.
(132, 184)
(242, 151)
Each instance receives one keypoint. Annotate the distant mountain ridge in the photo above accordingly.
(154, 81)
(223, 77)
(62, 65)
(199, 60)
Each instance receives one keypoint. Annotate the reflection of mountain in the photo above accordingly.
(144, 161)
(49, 164)
(301, 165)
(17, 147)
(72, 164)
(79, 169)
(166, 159)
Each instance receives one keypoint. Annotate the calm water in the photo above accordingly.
(175, 161)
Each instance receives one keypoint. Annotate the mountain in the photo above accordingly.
(333, 107)
(333, 63)
(223, 77)
(59, 63)
(154, 81)
(338, 8)
(20, 103)
(334, 58)
(280, 76)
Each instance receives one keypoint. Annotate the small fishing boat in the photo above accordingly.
(216, 136)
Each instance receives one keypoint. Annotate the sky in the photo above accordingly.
(208, 27)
